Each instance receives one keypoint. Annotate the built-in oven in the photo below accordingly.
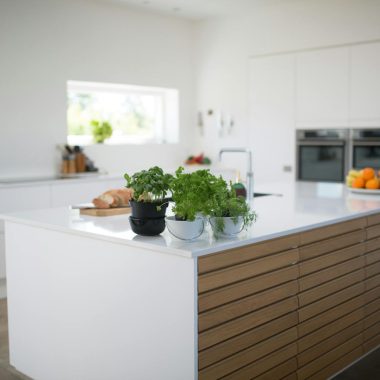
(322, 154)
(365, 147)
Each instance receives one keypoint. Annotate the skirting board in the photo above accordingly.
(3, 288)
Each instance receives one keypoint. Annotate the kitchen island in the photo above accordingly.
(295, 296)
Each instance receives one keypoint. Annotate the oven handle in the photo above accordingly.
(366, 143)
(320, 143)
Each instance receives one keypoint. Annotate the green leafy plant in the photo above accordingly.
(101, 130)
(192, 192)
(150, 185)
(225, 203)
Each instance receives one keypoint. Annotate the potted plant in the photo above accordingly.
(101, 130)
(191, 193)
(149, 202)
(230, 213)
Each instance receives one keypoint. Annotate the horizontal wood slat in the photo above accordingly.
(372, 282)
(372, 245)
(371, 343)
(330, 273)
(373, 232)
(245, 288)
(329, 330)
(230, 329)
(330, 357)
(371, 295)
(373, 219)
(236, 256)
(332, 230)
(371, 319)
(372, 257)
(248, 356)
(338, 364)
(251, 337)
(329, 343)
(333, 244)
(246, 305)
(240, 272)
(329, 316)
(330, 259)
(264, 364)
(285, 371)
(372, 270)
(372, 331)
(330, 287)
(372, 307)
(330, 301)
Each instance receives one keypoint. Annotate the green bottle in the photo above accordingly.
(239, 187)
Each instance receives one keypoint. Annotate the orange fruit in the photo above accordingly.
(358, 183)
(372, 184)
(367, 174)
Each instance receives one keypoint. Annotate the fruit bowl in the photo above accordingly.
(363, 181)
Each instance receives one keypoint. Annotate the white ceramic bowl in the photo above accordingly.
(183, 229)
(230, 227)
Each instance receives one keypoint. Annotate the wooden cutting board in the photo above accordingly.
(105, 211)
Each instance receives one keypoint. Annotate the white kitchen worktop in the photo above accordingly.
(302, 205)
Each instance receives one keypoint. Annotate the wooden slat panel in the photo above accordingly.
(331, 273)
(371, 295)
(338, 364)
(329, 330)
(332, 230)
(372, 270)
(372, 282)
(239, 255)
(373, 232)
(372, 245)
(330, 287)
(251, 337)
(285, 371)
(245, 288)
(328, 344)
(332, 244)
(373, 219)
(264, 364)
(240, 272)
(372, 319)
(332, 300)
(230, 329)
(372, 307)
(372, 331)
(329, 357)
(248, 356)
(246, 305)
(371, 344)
(372, 257)
(329, 316)
(330, 259)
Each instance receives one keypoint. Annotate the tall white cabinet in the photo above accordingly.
(365, 85)
(322, 88)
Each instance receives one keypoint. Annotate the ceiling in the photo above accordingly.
(191, 9)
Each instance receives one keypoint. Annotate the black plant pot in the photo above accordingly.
(147, 227)
(149, 210)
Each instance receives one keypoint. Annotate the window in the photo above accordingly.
(137, 114)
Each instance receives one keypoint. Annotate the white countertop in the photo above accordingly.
(303, 205)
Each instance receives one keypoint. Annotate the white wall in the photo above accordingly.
(44, 43)
(225, 45)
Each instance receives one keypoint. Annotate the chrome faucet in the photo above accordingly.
(249, 167)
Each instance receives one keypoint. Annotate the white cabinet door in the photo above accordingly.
(2, 256)
(322, 88)
(272, 133)
(73, 193)
(365, 85)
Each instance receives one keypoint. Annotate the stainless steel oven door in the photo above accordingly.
(366, 154)
(321, 160)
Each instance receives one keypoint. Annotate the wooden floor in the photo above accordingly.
(6, 371)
